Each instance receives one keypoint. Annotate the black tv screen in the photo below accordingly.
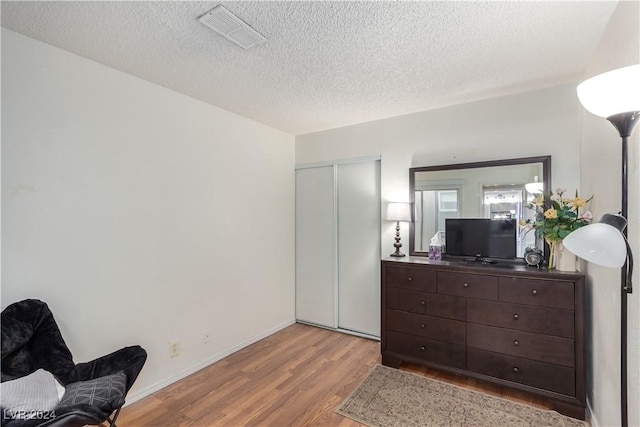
(491, 238)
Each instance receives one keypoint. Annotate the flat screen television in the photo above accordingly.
(480, 237)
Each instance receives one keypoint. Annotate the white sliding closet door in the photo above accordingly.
(315, 246)
(338, 245)
(359, 247)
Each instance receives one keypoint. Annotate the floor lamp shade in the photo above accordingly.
(534, 187)
(599, 243)
(611, 93)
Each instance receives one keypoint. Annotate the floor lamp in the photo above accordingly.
(614, 95)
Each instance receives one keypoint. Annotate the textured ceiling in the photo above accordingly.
(329, 64)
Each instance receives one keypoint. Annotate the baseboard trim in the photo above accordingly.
(591, 419)
(344, 331)
(140, 394)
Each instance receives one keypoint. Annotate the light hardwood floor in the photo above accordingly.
(295, 377)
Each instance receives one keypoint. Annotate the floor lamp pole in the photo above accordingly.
(624, 123)
(623, 295)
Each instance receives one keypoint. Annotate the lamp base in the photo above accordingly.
(397, 244)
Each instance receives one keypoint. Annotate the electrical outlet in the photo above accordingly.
(174, 348)
(206, 337)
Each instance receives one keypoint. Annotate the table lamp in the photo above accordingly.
(398, 211)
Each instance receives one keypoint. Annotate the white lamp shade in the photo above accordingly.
(613, 92)
(399, 211)
(534, 187)
(598, 243)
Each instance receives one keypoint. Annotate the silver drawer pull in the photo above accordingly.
(516, 343)
(423, 348)
(516, 316)
(516, 369)
(423, 303)
(466, 285)
(409, 278)
(423, 326)
(534, 292)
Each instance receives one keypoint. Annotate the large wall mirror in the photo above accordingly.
(492, 189)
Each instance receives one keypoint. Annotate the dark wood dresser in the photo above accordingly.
(511, 325)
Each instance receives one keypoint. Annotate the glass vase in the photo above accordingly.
(560, 258)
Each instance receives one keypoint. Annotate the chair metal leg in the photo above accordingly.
(112, 422)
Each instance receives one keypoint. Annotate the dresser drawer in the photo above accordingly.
(548, 321)
(426, 303)
(553, 294)
(426, 349)
(411, 278)
(468, 285)
(560, 379)
(437, 328)
(545, 348)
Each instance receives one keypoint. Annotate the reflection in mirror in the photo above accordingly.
(495, 189)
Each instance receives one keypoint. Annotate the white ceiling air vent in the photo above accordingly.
(233, 28)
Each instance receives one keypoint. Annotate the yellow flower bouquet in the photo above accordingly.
(557, 216)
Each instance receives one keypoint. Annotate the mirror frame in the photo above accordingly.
(546, 179)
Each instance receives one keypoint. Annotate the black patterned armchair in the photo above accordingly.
(94, 391)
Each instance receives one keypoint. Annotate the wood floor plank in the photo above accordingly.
(295, 377)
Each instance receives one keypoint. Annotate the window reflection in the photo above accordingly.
(433, 207)
(510, 201)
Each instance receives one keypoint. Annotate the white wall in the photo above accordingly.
(141, 215)
(601, 151)
(545, 122)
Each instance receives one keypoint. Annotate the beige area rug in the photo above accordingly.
(389, 397)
